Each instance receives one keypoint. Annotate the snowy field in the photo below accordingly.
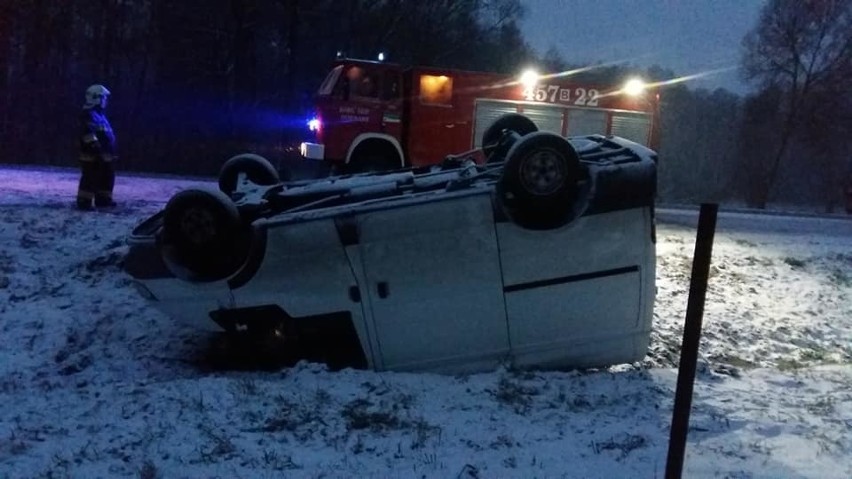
(94, 382)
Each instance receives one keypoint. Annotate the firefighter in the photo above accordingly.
(97, 152)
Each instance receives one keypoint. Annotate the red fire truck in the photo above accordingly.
(376, 115)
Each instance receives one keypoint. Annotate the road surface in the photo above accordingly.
(757, 222)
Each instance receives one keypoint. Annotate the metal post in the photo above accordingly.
(691, 337)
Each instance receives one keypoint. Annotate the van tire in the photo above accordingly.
(203, 238)
(257, 168)
(511, 122)
(540, 183)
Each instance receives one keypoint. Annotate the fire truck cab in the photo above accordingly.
(376, 115)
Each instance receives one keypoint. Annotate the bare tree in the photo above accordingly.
(803, 48)
(760, 127)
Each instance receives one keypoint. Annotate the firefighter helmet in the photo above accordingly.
(95, 94)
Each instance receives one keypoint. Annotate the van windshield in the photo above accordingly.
(330, 80)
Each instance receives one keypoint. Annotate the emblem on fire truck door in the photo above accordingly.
(352, 114)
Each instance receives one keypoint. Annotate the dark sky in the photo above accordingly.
(687, 36)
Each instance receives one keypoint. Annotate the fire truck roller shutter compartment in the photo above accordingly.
(487, 112)
(633, 126)
(586, 122)
(546, 117)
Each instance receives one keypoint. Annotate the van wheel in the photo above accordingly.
(509, 122)
(374, 156)
(540, 181)
(256, 168)
(203, 238)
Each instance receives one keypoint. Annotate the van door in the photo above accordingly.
(583, 298)
(433, 285)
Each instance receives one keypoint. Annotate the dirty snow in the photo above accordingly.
(95, 382)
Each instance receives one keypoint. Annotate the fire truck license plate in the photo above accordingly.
(557, 94)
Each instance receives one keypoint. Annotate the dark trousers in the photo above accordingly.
(97, 180)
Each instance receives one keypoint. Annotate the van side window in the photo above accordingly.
(436, 90)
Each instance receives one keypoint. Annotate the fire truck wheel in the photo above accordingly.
(511, 122)
(540, 181)
(203, 238)
(374, 155)
(257, 168)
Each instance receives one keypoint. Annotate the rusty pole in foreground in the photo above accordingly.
(691, 337)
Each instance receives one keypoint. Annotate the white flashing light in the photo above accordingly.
(381, 56)
(634, 87)
(314, 124)
(529, 78)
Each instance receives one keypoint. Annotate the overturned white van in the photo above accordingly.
(542, 257)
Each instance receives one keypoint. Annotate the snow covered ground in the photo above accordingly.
(94, 382)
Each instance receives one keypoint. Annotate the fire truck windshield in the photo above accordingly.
(330, 80)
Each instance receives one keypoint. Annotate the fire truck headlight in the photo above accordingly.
(314, 124)
(634, 87)
(529, 78)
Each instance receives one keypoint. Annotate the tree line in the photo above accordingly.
(195, 81)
